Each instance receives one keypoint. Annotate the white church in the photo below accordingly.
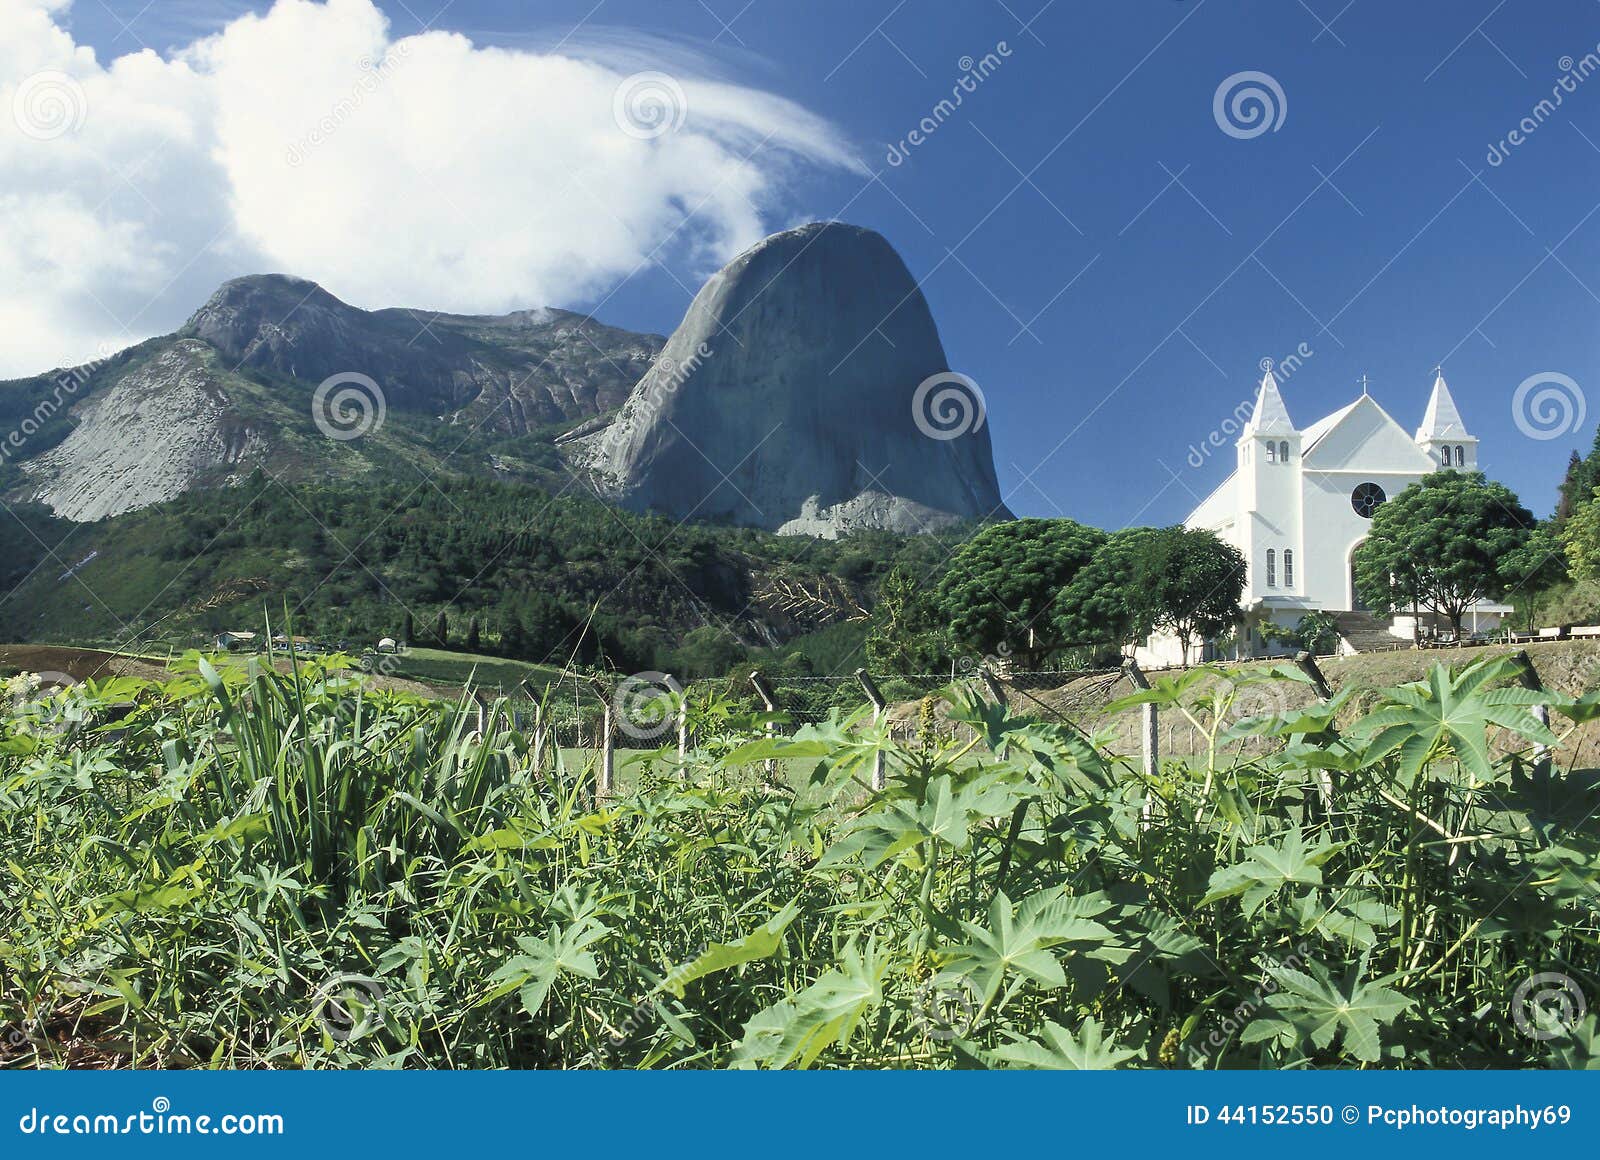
(1299, 504)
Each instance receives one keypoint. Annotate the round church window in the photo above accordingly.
(1366, 498)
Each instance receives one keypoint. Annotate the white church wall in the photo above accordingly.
(1338, 530)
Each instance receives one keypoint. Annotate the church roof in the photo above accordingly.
(1270, 416)
(1315, 432)
(1441, 420)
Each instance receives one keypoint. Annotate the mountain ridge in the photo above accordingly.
(803, 422)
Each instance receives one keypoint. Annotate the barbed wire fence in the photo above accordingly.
(597, 717)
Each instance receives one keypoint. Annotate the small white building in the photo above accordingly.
(228, 641)
(1299, 503)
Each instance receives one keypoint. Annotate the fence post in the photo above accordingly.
(1529, 676)
(1150, 723)
(1308, 665)
(608, 755)
(683, 731)
(770, 702)
(879, 707)
(996, 689)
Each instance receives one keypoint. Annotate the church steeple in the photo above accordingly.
(1270, 416)
(1443, 435)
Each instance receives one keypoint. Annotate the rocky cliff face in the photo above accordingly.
(793, 397)
(232, 390)
(166, 426)
(509, 373)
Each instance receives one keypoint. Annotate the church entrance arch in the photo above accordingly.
(1355, 600)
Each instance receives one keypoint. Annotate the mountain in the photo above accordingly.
(806, 391)
(796, 396)
(234, 390)
(512, 373)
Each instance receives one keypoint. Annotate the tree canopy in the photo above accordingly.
(1183, 581)
(1001, 589)
(1446, 542)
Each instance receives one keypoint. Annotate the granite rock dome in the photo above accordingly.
(795, 396)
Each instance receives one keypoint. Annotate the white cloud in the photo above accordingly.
(420, 171)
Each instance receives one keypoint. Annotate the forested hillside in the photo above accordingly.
(502, 567)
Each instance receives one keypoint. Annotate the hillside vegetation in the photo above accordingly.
(547, 578)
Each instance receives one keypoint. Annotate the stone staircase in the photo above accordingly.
(1365, 632)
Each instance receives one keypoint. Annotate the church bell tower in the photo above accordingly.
(1443, 435)
(1270, 496)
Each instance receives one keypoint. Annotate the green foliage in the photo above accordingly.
(999, 593)
(1446, 542)
(191, 868)
(907, 633)
(1183, 581)
(549, 578)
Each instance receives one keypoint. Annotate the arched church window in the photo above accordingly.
(1288, 567)
(1461, 456)
(1283, 451)
(1272, 568)
(1444, 455)
(1272, 452)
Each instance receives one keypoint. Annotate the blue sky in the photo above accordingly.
(1108, 263)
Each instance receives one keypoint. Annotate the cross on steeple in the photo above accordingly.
(1363, 385)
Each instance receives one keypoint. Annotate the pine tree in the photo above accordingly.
(473, 641)
(513, 637)
(408, 629)
(1571, 500)
(441, 630)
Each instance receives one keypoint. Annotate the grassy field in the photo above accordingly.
(437, 666)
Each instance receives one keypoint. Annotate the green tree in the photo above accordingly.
(513, 636)
(474, 635)
(1143, 581)
(707, 651)
(1112, 600)
(1000, 590)
(441, 630)
(1443, 544)
(905, 634)
(1581, 540)
(408, 629)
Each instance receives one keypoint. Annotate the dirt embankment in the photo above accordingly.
(1570, 667)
